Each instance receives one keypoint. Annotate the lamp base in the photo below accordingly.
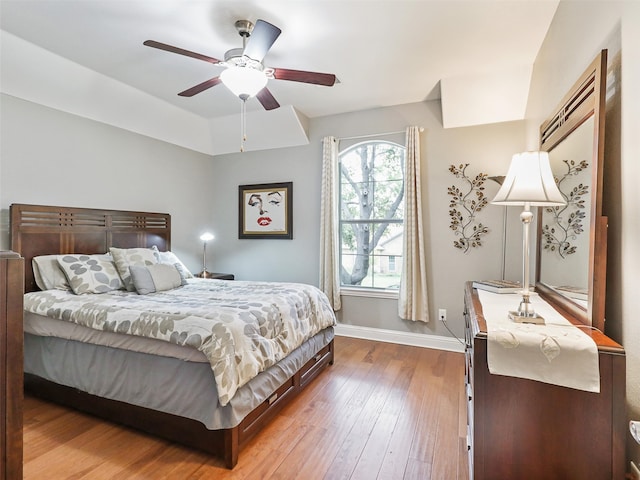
(519, 318)
(204, 274)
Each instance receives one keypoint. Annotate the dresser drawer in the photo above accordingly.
(315, 364)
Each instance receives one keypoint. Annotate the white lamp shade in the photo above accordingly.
(529, 181)
(205, 237)
(244, 82)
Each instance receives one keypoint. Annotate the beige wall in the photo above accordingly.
(575, 37)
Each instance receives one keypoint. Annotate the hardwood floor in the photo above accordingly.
(382, 411)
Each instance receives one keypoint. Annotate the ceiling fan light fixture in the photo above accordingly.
(244, 82)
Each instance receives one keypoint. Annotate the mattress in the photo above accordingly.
(42, 326)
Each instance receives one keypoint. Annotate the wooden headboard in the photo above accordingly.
(45, 230)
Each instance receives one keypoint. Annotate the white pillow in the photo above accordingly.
(47, 273)
(171, 258)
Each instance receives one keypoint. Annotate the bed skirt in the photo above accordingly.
(183, 388)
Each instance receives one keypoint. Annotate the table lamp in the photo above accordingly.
(205, 237)
(529, 182)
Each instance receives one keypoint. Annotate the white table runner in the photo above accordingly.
(557, 353)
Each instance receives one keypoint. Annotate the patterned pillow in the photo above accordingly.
(171, 259)
(156, 278)
(125, 257)
(90, 273)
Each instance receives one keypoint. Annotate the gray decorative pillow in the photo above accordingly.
(156, 278)
(171, 259)
(126, 257)
(90, 273)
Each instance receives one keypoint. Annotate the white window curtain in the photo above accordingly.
(412, 299)
(329, 238)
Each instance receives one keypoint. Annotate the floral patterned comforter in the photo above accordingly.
(242, 328)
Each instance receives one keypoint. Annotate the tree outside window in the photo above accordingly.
(371, 214)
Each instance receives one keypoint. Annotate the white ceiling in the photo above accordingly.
(383, 52)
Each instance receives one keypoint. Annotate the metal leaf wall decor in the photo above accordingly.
(567, 220)
(466, 202)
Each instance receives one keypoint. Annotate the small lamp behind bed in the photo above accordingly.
(205, 237)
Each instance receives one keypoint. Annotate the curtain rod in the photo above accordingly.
(376, 134)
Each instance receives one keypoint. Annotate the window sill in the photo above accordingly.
(368, 292)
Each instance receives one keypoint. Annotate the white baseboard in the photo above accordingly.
(403, 338)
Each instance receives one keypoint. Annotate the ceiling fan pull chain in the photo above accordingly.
(243, 124)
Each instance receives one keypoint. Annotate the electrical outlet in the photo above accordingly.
(442, 315)
(635, 472)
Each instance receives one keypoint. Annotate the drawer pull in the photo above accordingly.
(272, 399)
(318, 357)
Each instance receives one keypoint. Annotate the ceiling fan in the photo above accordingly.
(245, 74)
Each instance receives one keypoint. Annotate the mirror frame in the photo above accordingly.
(585, 99)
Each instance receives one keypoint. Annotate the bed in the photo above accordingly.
(144, 358)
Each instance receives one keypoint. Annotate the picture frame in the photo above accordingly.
(265, 211)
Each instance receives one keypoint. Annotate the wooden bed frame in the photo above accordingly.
(43, 230)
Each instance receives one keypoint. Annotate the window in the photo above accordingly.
(371, 214)
(392, 263)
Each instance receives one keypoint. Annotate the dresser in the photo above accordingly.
(525, 429)
(11, 352)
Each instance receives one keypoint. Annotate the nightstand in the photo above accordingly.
(218, 276)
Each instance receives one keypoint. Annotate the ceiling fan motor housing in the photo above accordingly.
(236, 58)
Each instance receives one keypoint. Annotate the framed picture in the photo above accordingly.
(266, 211)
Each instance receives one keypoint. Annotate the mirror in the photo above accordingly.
(571, 240)
(564, 261)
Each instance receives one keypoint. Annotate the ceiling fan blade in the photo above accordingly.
(262, 38)
(190, 92)
(326, 79)
(181, 51)
(267, 100)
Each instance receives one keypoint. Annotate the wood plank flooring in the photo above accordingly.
(382, 411)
